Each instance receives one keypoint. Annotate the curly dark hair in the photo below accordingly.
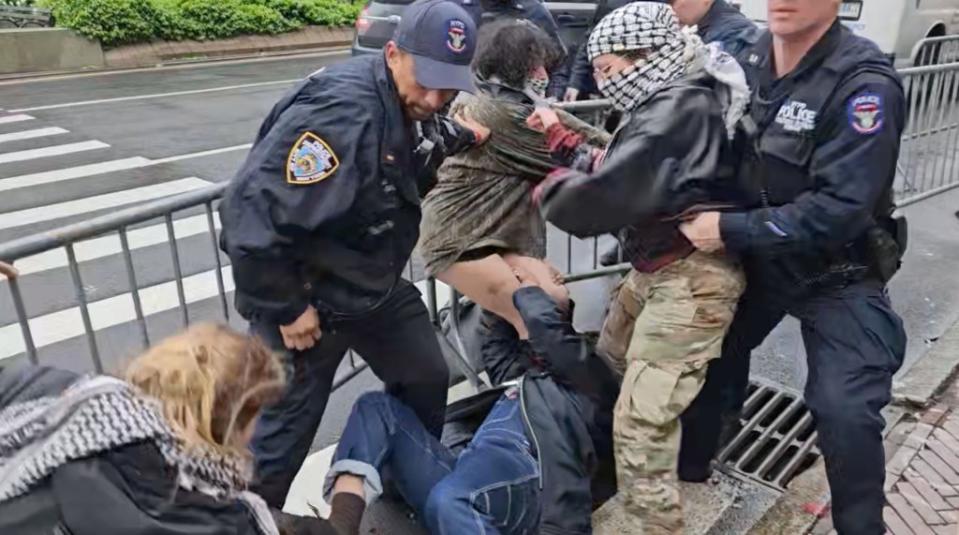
(510, 49)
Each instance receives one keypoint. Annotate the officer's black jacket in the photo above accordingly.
(828, 141)
(340, 238)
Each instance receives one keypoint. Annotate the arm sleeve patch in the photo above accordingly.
(310, 160)
(866, 113)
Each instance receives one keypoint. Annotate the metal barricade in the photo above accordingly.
(930, 143)
(24, 17)
(118, 227)
(936, 51)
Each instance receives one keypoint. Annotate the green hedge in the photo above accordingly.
(117, 22)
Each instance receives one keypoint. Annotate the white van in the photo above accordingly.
(897, 26)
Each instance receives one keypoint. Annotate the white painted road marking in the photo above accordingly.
(157, 95)
(66, 324)
(98, 202)
(82, 171)
(69, 173)
(15, 118)
(30, 134)
(56, 150)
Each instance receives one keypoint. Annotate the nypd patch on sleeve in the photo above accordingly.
(311, 160)
(866, 113)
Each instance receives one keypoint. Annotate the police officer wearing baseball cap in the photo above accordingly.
(322, 217)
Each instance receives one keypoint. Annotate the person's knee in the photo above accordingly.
(447, 500)
(847, 410)
(374, 402)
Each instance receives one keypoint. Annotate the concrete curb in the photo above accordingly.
(167, 52)
(931, 373)
(46, 49)
(805, 506)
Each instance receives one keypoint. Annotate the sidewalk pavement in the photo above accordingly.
(922, 478)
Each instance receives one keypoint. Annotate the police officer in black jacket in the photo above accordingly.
(818, 242)
(321, 220)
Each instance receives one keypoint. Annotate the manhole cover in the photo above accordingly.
(777, 440)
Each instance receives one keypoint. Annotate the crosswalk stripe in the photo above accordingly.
(98, 202)
(70, 173)
(30, 134)
(66, 324)
(56, 150)
(83, 171)
(15, 118)
(110, 245)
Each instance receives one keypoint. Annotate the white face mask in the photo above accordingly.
(537, 86)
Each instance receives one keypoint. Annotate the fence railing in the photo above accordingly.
(936, 51)
(930, 143)
(24, 17)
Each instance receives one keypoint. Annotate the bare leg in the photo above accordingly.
(490, 283)
(547, 277)
(349, 484)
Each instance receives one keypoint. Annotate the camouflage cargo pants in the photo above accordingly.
(661, 331)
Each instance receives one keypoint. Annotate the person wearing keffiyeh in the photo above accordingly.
(162, 451)
(669, 159)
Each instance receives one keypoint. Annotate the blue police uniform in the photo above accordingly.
(325, 212)
(820, 161)
(725, 24)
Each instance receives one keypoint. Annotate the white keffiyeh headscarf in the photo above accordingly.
(673, 53)
(99, 414)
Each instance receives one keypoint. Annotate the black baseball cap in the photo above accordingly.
(441, 37)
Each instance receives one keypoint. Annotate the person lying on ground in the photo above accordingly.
(529, 467)
(479, 221)
(681, 101)
(162, 451)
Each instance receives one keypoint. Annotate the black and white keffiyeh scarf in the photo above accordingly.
(673, 53)
(98, 414)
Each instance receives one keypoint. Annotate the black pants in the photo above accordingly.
(399, 343)
(854, 344)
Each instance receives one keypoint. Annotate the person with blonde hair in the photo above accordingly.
(162, 449)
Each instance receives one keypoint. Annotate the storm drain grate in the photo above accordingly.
(777, 439)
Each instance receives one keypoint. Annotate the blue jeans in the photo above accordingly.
(493, 487)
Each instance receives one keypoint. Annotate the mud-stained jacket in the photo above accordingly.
(483, 198)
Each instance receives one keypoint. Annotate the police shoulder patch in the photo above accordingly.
(310, 160)
(865, 113)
